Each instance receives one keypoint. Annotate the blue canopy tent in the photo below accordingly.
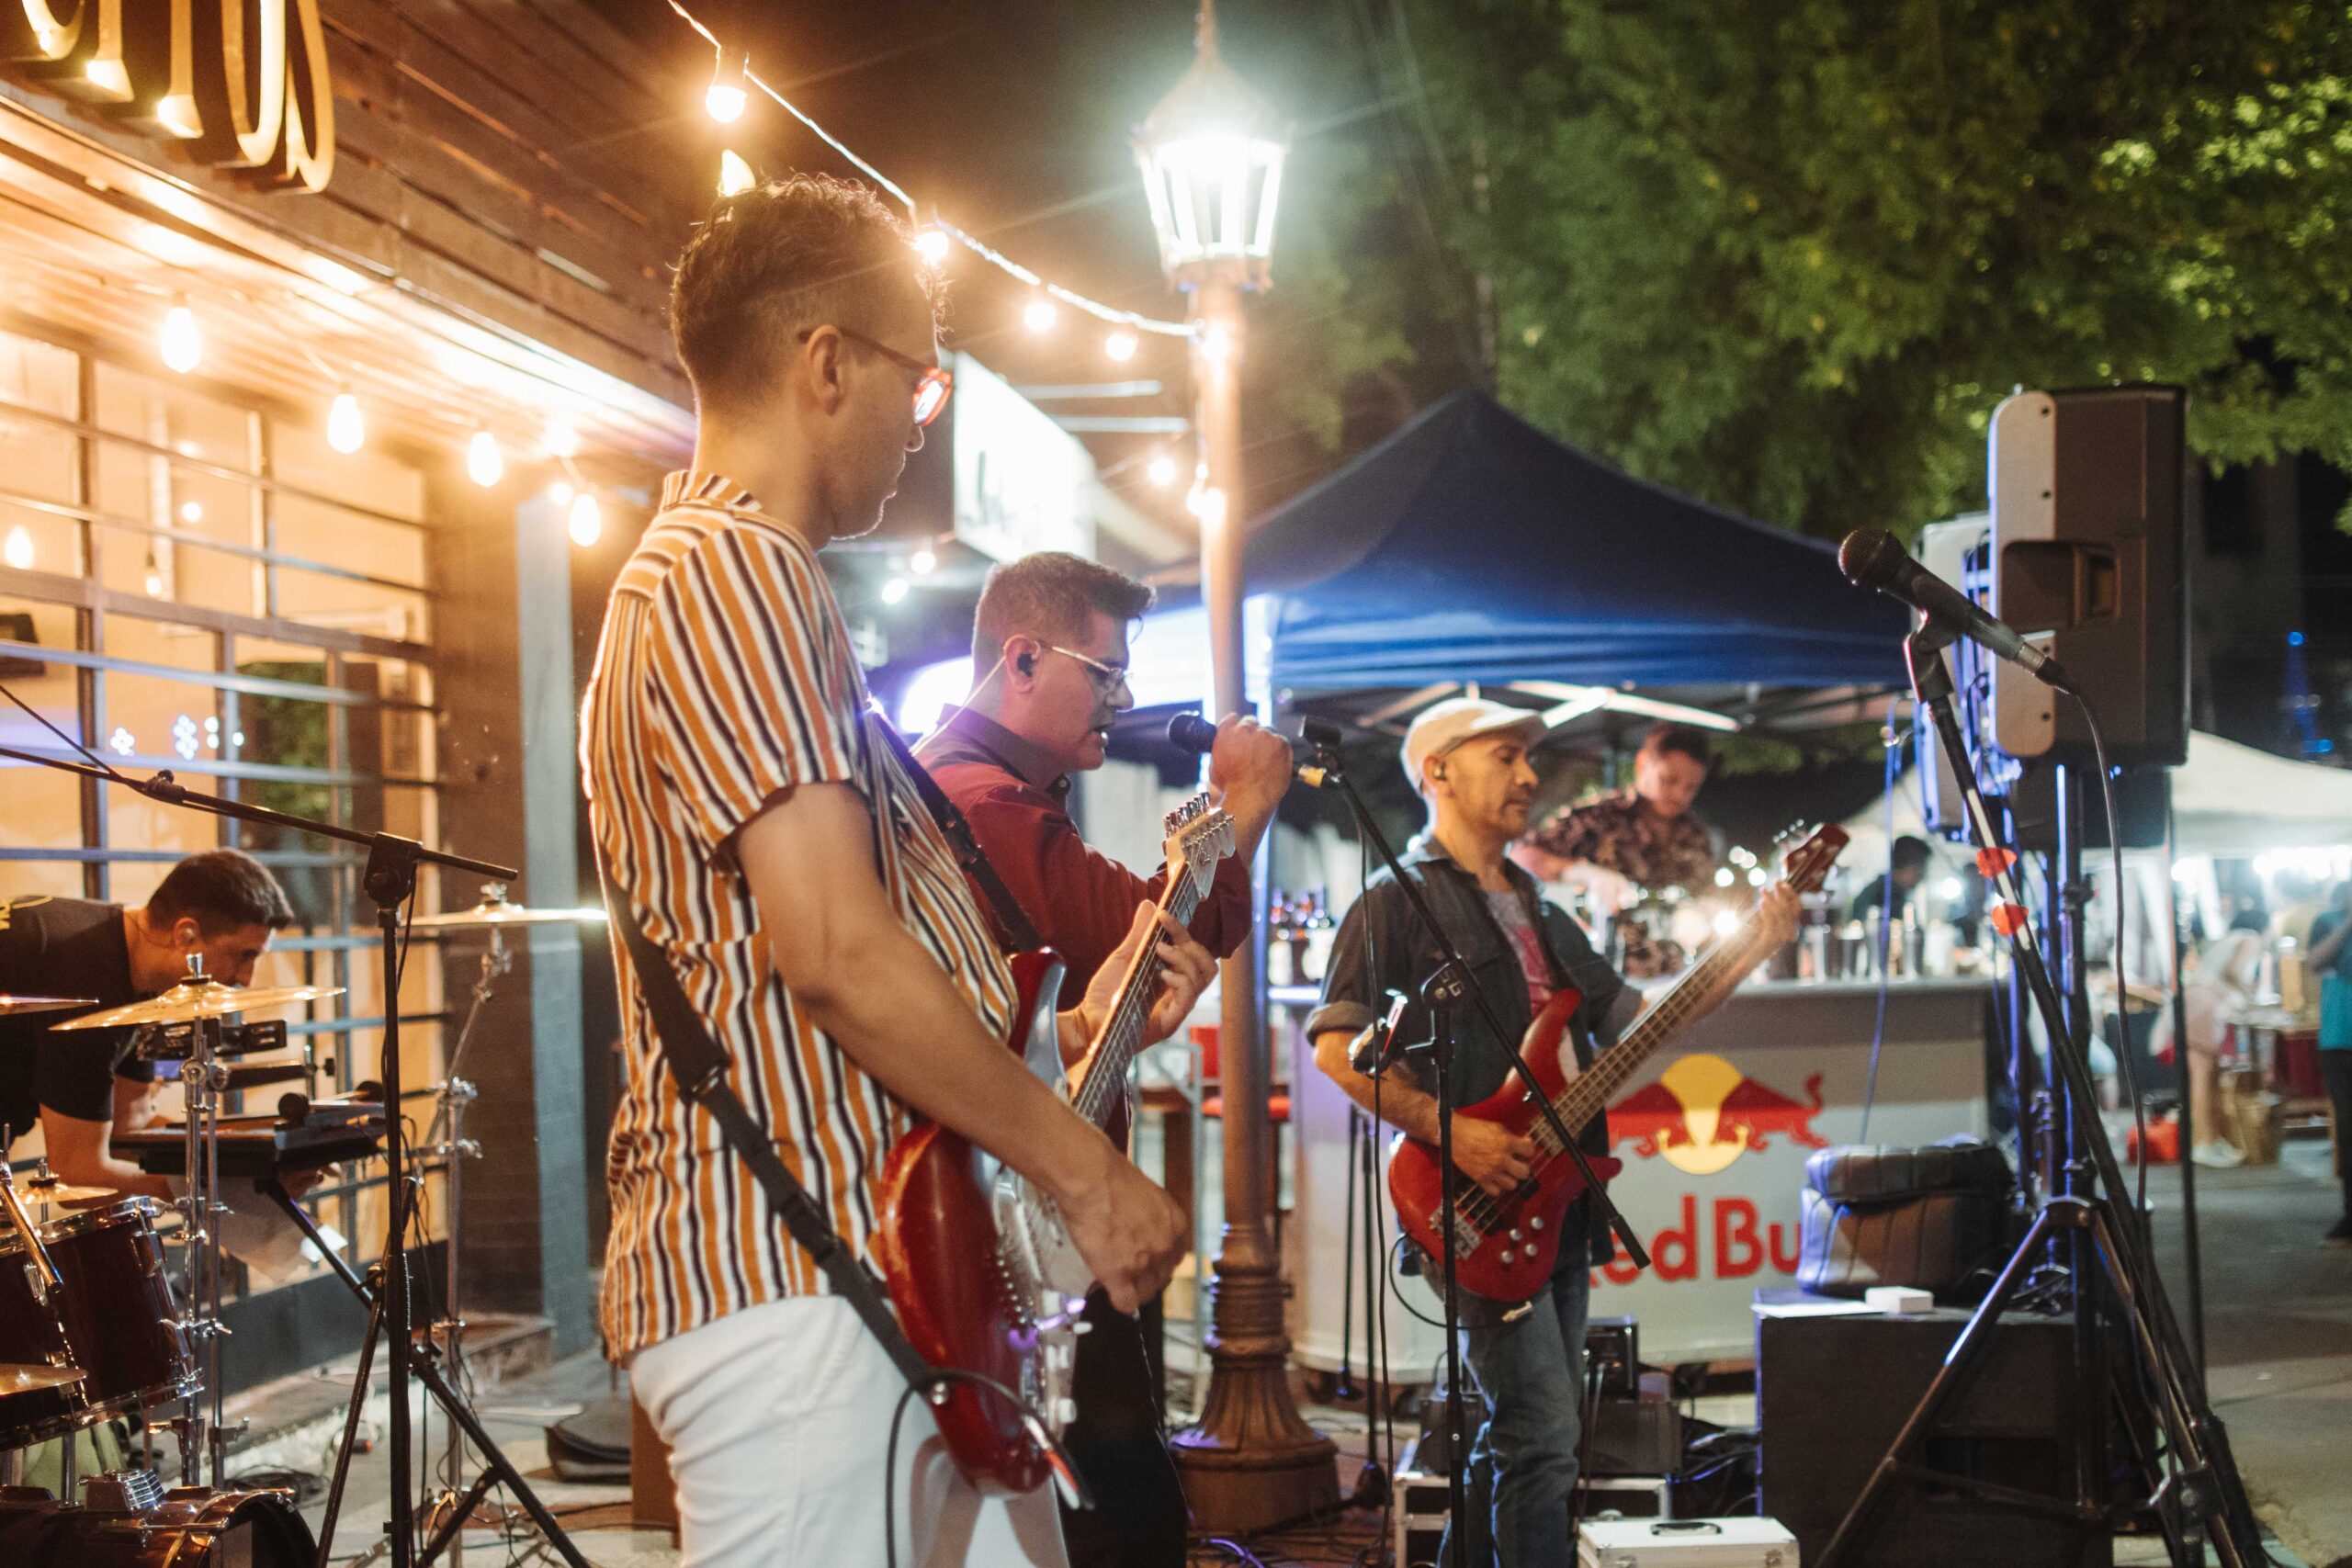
(1472, 546)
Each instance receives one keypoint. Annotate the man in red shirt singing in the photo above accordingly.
(1049, 642)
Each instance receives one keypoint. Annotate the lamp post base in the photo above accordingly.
(1252, 1462)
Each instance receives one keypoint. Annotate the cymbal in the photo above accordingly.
(198, 999)
(10, 1005)
(499, 912)
(23, 1377)
(54, 1192)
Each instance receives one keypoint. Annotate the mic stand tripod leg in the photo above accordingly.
(428, 1373)
(350, 1443)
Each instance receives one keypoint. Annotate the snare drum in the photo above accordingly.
(192, 1527)
(120, 1322)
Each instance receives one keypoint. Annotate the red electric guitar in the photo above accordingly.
(1504, 1247)
(977, 1262)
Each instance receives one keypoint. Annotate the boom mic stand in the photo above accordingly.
(2205, 1488)
(1442, 992)
(389, 880)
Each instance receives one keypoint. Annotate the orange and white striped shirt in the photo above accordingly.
(724, 678)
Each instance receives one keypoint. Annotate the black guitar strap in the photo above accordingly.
(1014, 930)
(699, 1065)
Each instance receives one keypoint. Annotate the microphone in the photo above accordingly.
(1190, 732)
(1870, 559)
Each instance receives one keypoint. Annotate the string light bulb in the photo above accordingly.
(485, 464)
(1038, 314)
(923, 563)
(346, 429)
(735, 175)
(729, 97)
(1161, 471)
(587, 524)
(560, 492)
(182, 344)
(1120, 345)
(895, 590)
(931, 244)
(18, 551)
(191, 513)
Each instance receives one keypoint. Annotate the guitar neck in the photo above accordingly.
(1104, 1090)
(1596, 1085)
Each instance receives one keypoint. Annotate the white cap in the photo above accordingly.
(1440, 727)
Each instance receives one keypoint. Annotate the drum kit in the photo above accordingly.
(93, 1331)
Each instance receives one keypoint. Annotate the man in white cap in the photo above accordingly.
(1468, 758)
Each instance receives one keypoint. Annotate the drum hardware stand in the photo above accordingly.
(390, 881)
(203, 1077)
(426, 1364)
(2204, 1499)
(1440, 993)
(455, 1096)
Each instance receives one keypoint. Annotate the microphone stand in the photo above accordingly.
(389, 880)
(1442, 992)
(2206, 1489)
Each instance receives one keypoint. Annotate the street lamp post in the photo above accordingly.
(1212, 157)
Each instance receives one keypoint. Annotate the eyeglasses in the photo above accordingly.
(1107, 678)
(933, 382)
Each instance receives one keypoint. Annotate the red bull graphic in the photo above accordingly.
(1702, 1114)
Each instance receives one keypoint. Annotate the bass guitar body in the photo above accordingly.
(960, 1285)
(1504, 1247)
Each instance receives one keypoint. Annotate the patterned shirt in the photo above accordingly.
(1622, 833)
(726, 677)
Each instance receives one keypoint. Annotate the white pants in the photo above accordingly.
(778, 1423)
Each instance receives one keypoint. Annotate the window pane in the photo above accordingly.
(39, 376)
(32, 539)
(300, 457)
(163, 414)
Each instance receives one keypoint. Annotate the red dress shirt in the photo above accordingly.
(1080, 902)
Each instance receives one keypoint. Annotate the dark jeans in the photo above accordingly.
(1139, 1517)
(1529, 1370)
(2336, 1067)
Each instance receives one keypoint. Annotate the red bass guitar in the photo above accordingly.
(977, 1262)
(1504, 1247)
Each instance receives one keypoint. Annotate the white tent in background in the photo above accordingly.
(2233, 802)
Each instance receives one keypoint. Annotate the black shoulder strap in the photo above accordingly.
(1014, 926)
(700, 1066)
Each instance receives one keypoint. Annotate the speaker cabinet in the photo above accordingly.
(1832, 1393)
(2088, 560)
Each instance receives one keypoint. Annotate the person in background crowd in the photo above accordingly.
(220, 909)
(2330, 958)
(1635, 839)
(1906, 868)
(2222, 977)
(1050, 644)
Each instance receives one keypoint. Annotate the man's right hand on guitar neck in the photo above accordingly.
(1494, 1156)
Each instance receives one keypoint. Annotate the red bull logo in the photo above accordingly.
(1702, 1114)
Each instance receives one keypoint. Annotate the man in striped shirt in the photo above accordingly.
(776, 853)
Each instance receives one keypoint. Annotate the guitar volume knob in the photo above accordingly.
(1514, 1233)
(1535, 1222)
(1507, 1255)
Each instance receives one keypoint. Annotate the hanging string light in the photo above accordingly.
(347, 430)
(1161, 471)
(18, 551)
(1120, 345)
(1038, 314)
(182, 344)
(735, 175)
(734, 74)
(485, 464)
(923, 562)
(587, 522)
(931, 244)
(726, 100)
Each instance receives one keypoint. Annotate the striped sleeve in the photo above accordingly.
(746, 697)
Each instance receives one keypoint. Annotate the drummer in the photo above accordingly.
(83, 1085)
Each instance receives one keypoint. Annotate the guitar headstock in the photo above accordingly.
(1199, 835)
(1805, 867)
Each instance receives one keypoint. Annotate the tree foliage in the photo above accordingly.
(1787, 254)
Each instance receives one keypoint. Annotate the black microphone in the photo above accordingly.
(1193, 733)
(1870, 559)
